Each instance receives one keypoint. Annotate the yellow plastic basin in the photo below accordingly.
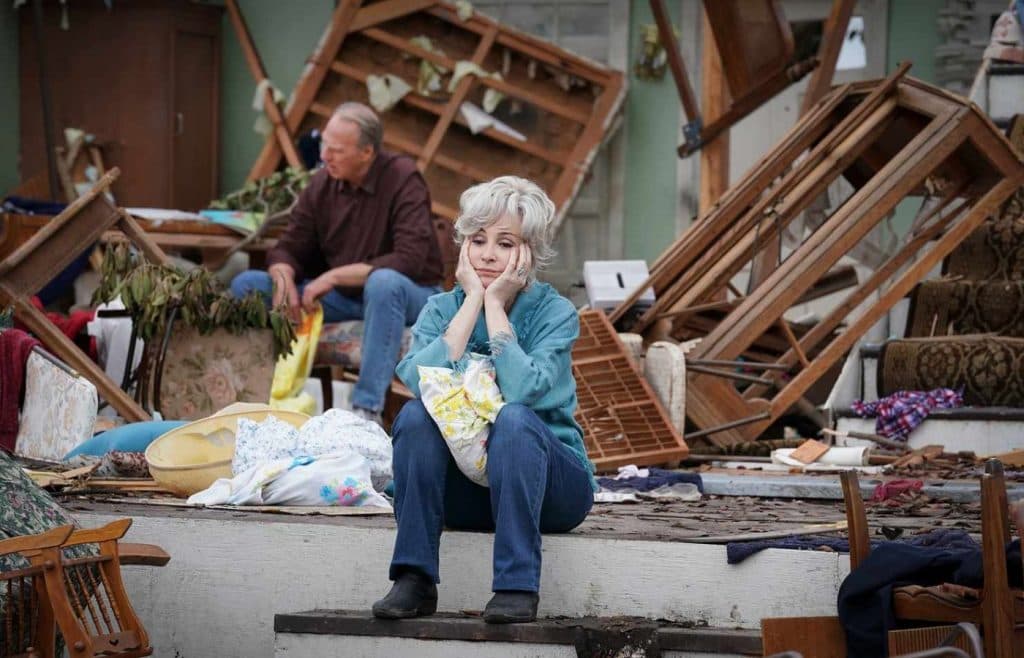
(190, 458)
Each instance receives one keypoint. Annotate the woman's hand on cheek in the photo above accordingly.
(466, 275)
(505, 288)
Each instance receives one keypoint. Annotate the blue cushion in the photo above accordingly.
(134, 437)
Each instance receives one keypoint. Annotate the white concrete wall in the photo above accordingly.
(328, 646)
(227, 578)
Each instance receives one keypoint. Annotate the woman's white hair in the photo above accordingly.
(483, 204)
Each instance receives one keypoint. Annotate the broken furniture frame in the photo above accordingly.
(996, 608)
(36, 262)
(890, 139)
(757, 50)
(563, 104)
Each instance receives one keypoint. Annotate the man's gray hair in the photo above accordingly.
(483, 204)
(371, 132)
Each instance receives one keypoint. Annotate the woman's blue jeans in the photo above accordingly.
(537, 484)
(391, 301)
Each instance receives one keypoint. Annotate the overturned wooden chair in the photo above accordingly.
(997, 609)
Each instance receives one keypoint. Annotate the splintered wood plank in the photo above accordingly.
(809, 451)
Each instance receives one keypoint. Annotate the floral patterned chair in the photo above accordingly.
(340, 349)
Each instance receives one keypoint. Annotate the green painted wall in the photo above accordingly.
(652, 125)
(9, 99)
(913, 36)
(910, 41)
(285, 34)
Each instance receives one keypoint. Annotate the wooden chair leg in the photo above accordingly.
(856, 518)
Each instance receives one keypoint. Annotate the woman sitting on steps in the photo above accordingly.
(539, 475)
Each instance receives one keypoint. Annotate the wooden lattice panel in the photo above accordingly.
(563, 104)
(622, 420)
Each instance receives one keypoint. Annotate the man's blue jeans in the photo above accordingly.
(391, 301)
(536, 483)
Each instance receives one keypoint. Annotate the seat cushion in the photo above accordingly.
(341, 344)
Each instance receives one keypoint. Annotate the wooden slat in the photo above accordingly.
(899, 289)
(587, 141)
(867, 206)
(828, 53)
(309, 83)
(387, 10)
(543, 102)
(714, 154)
(676, 259)
(421, 103)
(284, 136)
(667, 36)
(704, 241)
(456, 100)
(529, 45)
(714, 269)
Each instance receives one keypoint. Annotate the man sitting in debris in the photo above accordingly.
(539, 477)
(360, 241)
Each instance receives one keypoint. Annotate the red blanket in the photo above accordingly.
(15, 346)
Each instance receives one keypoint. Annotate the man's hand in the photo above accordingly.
(505, 288)
(286, 293)
(316, 289)
(466, 275)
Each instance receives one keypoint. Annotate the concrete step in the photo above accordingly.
(355, 634)
(231, 573)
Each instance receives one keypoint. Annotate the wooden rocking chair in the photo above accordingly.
(86, 597)
(28, 627)
(997, 609)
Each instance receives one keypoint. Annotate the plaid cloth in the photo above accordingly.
(902, 411)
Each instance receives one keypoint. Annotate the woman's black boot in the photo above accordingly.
(412, 595)
(511, 607)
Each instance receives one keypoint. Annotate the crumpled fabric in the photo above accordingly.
(386, 90)
(939, 538)
(333, 432)
(428, 80)
(648, 479)
(865, 597)
(341, 479)
(262, 124)
(464, 405)
(898, 414)
(491, 96)
(464, 9)
(894, 488)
